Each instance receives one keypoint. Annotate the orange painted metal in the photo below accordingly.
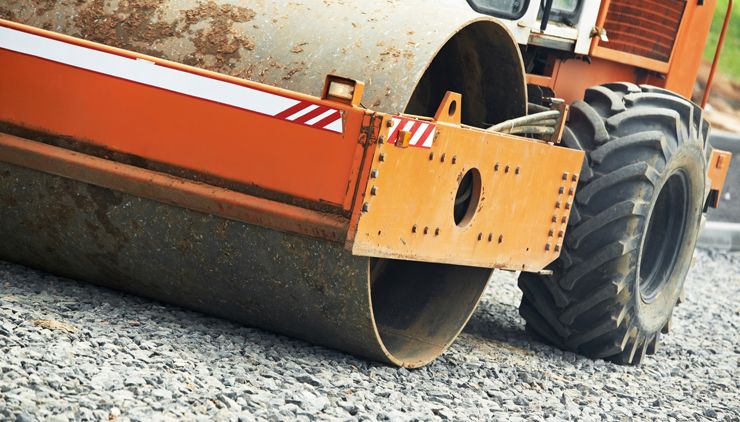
(608, 65)
(526, 186)
(687, 53)
(169, 189)
(679, 72)
(549, 78)
(719, 165)
(541, 80)
(526, 191)
(605, 52)
(630, 59)
(564, 109)
(179, 130)
(360, 197)
(646, 28)
(715, 61)
(576, 76)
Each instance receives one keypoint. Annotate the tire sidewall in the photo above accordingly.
(689, 159)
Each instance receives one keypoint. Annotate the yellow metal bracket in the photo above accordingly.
(518, 193)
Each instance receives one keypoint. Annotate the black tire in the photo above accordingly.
(633, 226)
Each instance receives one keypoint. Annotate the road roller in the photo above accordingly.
(351, 173)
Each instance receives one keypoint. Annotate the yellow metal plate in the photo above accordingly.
(526, 192)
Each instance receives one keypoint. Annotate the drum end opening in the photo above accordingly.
(420, 308)
(483, 63)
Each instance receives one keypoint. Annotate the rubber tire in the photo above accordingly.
(635, 139)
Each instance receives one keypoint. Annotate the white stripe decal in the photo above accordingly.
(419, 131)
(430, 139)
(335, 126)
(396, 122)
(320, 117)
(148, 73)
(422, 133)
(303, 112)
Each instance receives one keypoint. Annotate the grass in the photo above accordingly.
(729, 62)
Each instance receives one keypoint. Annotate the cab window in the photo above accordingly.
(508, 9)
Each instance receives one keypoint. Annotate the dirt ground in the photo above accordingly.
(723, 110)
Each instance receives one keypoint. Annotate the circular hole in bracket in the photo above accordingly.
(467, 197)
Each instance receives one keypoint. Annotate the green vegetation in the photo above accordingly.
(729, 62)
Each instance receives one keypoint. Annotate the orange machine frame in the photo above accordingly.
(179, 130)
(570, 77)
(365, 183)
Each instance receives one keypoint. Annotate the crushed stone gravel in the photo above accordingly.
(104, 355)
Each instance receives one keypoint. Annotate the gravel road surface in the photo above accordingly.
(72, 351)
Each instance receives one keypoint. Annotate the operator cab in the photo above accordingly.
(564, 25)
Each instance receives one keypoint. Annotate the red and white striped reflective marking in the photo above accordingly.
(422, 133)
(313, 115)
(175, 80)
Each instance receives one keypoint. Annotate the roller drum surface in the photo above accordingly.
(403, 313)
(408, 54)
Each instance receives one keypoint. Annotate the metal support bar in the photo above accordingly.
(708, 88)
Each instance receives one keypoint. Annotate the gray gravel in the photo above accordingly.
(100, 355)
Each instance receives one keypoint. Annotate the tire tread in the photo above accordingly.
(585, 305)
